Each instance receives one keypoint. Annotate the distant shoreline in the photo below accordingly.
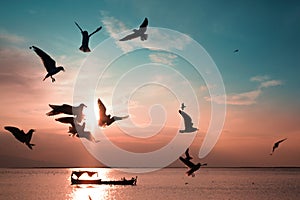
(274, 167)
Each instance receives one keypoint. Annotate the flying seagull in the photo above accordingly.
(67, 109)
(192, 167)
(236, 50)
(71, 121)
(138, 33)
(85, 38)
(48, 62)
(276, 145)
(106, 120)
(182, 106)
(20, 135)
(187, 123)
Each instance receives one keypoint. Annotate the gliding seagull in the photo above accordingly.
(106, 120)
(138, 33)
(276, 145)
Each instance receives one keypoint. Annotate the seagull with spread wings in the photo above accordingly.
(67, 109)
(21, 136)
(192, 167)
(138, 33)
(48, 62)
(85, 38)
(106, 120)
(276, 145)
(187, 123)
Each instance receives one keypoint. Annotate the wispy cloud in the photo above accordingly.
(164, 58)
(250, 97)
(11, 38)
(270, 83)
(260, 78)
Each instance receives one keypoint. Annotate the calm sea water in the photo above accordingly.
(169, 183)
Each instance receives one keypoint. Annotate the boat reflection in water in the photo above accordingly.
(95, 183)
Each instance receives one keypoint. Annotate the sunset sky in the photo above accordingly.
(261, 79)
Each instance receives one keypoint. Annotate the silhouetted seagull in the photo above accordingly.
(67, 109)
(192, 167)
(106, 120)
(235, 51)
(182, 106)
(81, 133)
(187, 123)
(48, 62)
(71, 121)
(21, 136)
(276, 144)
(85, 38)
(138, 33)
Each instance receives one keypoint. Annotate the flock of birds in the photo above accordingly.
(75, 113)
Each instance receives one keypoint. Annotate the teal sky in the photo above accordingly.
(261, 80)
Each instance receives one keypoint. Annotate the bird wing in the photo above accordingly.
(144, 24)
(280, 141)
(187, 119)
(66, 120)
(19, 134)
(187, 162)
(102, 108)
(98, 29)
(130, 37)
(187, 153)
(78, 27)
(57, 109)
(49, 63)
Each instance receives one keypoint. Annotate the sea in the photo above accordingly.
(167, 183)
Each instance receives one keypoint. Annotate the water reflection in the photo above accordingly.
(82, 192)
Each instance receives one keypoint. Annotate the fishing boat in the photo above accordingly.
(75, 179)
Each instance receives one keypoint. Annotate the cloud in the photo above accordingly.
(164, 58)
(270, 83)
(259, 78)
(11, 38)
(247, 98)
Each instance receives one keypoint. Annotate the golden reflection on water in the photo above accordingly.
(90, 191)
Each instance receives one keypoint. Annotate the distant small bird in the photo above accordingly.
(187, 123)
(71, 121)
(85, 38)
(236, 50)
(48, 62)
(182, 106)
(276, 145)
(192, 167)
(21, 136)
(67, 109)
(138, 33)
(106, 120)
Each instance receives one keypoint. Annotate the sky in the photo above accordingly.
(148, 80)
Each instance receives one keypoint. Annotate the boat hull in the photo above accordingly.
(99, 182)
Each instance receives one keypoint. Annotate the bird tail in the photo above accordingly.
(30, 145)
